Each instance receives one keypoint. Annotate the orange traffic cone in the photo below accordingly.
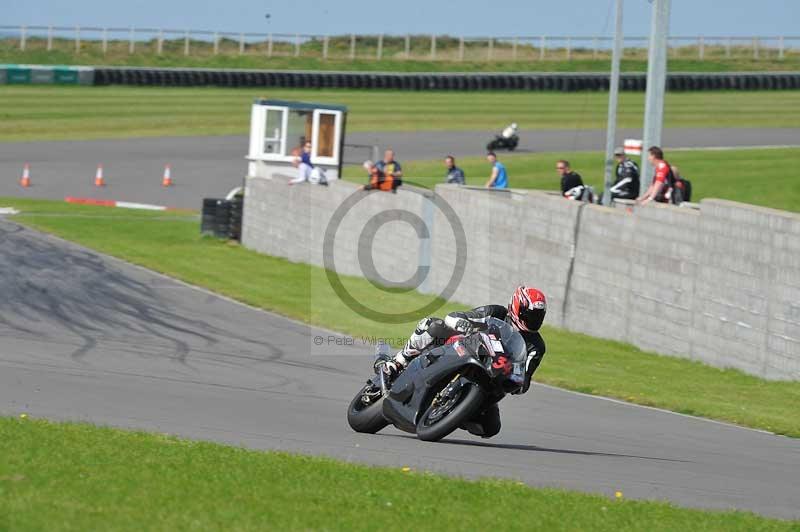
(25, 181)
(167, 180)
(98, 177)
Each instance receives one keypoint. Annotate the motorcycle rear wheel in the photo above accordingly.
(367, 419)
(434, 424)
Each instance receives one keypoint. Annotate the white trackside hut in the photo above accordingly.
(279, 129)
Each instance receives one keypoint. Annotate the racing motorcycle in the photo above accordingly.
(446, 387)
(506, 140)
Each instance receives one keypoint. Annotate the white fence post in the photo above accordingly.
(755, 47)
(22, 38)
(490, 49)
(241, 43)
(569, 48)
(269, 45)
(380, 47)
(105, 40)
(77, 39)
(297, 45)
(216, 43)
(160, 42)
(49, 38)
(433, 47)
(325, 48)
(542, 44)
(186, 43)
(514, 49)
(461, 48)
(131, 43)
(408, 46)
(780, 47)
(352, 46)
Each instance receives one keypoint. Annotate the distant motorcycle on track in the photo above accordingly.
(506, 140)
(445, 388)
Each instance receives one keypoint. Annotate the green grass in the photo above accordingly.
(80, 477)
(766, 177)
(574, 361)
(475, 58)
(57, 112)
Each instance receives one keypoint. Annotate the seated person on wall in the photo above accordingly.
(572, 186)
(626, 185)
(455, 175)
(662, 178)
(391, 168)
(378, 180)
(305, 169)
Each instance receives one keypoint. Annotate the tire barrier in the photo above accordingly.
(532, 81)
(222, 218)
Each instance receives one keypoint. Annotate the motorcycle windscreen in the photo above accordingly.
(509, 350)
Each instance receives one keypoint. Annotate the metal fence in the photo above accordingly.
(198, 43)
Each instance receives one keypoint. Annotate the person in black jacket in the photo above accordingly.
(525, 312)
(626, 185)
(570, 181)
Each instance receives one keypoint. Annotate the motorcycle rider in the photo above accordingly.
(626, 185)
(509, 131)
(525, 313)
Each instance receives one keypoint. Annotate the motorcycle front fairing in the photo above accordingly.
(405, 401)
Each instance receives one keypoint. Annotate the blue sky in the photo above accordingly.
(464, 17)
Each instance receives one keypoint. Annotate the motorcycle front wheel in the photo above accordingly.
(449, 409)
(363, 417)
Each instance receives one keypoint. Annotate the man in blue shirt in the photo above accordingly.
(499, 177)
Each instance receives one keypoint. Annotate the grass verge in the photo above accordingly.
(475, 59)
(48, 481)
(37, 113)
(763, 177)
(574, 361)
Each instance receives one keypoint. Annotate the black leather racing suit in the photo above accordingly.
(626, 185)
(434, 331)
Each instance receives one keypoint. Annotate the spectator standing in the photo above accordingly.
(662, 179)
(389, 167)
(455, 175)
(627, 184)
(378, 180)
(569, 180)
(499, 175)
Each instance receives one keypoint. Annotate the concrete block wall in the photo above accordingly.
(720, 284)
(747, 297)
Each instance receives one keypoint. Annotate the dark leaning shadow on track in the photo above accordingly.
(44, 283)
(536, 448)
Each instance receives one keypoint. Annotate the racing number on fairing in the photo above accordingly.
(503, 363)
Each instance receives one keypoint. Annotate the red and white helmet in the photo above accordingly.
(527, 309)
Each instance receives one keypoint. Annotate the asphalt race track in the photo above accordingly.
(211, 166)
(83, 337)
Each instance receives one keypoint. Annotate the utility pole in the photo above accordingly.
(656, 83)
(613, 91)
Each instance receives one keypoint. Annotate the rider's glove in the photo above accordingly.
(465, 327)
(390, 368)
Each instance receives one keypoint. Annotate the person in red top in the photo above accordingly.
(662, 179)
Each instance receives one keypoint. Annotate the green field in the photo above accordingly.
(55, 112)
(765, 177)
(476, 59)
(171, 244)
(138, 481)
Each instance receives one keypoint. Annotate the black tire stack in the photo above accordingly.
(217, 218)
(237, 210)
